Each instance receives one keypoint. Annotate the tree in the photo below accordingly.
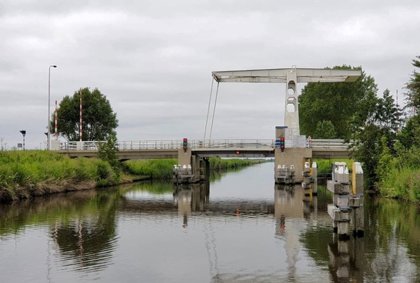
(410, 134)
(374, 131)
(99, 120)
(388, 114)
(324, 130)
(413, 95)
(334, 102)
(108, 152)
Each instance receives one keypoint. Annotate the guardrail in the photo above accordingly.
(197, 144)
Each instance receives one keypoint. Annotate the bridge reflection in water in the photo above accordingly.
(285, 237)
(293, 208)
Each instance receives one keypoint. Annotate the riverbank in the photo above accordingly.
(325, 165)
(26, 174)
(162, 169)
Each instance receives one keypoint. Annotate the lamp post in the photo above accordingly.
(23, 132)
(49, 104)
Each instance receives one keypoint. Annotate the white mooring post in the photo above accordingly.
(356, 200)
(347, 207)
(314, 174)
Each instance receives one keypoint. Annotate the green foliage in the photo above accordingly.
(410, 134)
(155, 169)
(373, 131)
(99, 121)
(401, 183)
(399, 172)
(108, 152)
(24, 168)
(391, 156)
(413, 95)
(217, 163)
(334, 102)
(324, 130)
(325, 165)
(162, 169)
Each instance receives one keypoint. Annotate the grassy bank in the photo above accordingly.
(27, 173)
(24, 174)
(325, 165)
(162, 169)
(402, 183)
(154, 169)
(399, 173)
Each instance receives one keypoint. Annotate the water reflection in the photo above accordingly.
(292, 206)
(346, 260)
(283, 234)
(192, 197)
(87, 241)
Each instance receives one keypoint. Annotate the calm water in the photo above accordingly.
(241, 229)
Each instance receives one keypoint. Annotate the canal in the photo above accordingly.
(240, 228)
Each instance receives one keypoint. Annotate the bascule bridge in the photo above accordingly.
(288, 147)
(291, 148)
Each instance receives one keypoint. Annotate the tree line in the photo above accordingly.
(384, 136)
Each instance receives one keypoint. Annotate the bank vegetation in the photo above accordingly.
(25, 174)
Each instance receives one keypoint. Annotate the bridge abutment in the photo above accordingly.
(292, 157)
(191, 168)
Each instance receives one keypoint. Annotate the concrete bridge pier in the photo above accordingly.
(292, 157)
(191, 168)
(289, 162)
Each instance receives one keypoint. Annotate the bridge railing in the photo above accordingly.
(123, 145)
(197, 144)
(234, 143)
(171, 144)
(328, 143)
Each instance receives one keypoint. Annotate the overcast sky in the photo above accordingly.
(153, 59)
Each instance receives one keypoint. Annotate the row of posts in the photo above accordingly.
(347, 208)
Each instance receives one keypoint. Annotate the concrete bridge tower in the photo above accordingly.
(291, 111)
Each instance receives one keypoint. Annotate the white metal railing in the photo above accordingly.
(328, 143)
(197, 144)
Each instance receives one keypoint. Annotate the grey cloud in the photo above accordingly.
(153, 59)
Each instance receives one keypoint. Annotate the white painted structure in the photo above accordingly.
(291, 77)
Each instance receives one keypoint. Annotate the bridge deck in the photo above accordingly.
(222, 148)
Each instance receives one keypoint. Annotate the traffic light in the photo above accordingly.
(185, 144)
(282, 144)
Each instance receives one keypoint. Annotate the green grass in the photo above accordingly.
(324, 165)
(23, 168)
(401, 183)
(217, 163)
(162, 169)
(155, 169)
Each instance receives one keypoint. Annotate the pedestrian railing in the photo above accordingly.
(198, 144)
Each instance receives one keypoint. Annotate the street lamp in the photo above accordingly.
(49, 114)
(23, 132)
